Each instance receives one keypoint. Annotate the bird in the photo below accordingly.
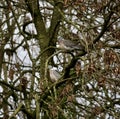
(70, 45)
(54, 75)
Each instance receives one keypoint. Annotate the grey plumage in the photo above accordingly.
(70, 45)
(54, 75)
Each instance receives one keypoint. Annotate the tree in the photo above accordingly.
(90, 79)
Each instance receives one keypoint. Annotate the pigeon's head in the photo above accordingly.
(62, 44)
(60, 41)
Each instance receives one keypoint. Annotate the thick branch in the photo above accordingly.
(56, 18)
(33, 7)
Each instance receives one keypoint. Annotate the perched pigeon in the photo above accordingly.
(54, 75)
(70, 45)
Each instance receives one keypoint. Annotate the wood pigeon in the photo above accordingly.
(70, 45)
(54, 75)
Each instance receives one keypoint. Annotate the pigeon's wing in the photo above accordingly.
(73, 45)
(70, 43)
(57, 75)
(54, 75)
